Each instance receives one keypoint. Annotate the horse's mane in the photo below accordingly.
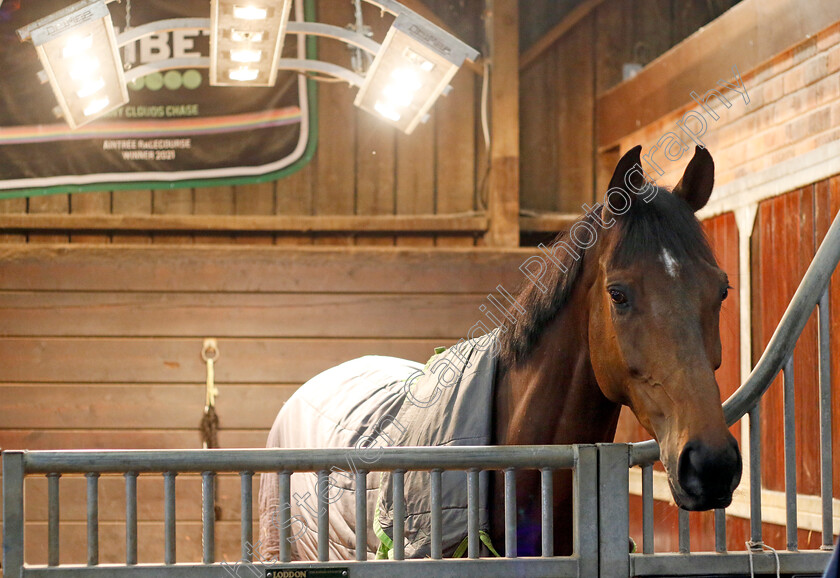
(666, 222)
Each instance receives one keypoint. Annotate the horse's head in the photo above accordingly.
(654, 327)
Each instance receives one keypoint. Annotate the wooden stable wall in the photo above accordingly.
(793, 108)
(564, 73)
(100, 348)
(362, 167)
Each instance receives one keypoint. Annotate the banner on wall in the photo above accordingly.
(175, 127)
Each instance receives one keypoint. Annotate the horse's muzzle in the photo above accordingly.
(708, 475)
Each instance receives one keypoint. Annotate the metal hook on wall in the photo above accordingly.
(210, 353)
(209, 425)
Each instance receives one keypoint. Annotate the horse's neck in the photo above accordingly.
(552, 397)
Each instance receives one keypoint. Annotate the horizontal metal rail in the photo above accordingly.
(297, 460)
(581, 460)
(731, 564)
(480, 568)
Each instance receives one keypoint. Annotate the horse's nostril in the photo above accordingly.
(709, 474)
(689, 469)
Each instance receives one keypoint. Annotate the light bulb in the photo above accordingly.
(84, 68)
(417, 60)
(250, 12)
(407, 78)
(387, 111)
(91, 88)
(243, 74)
(96, 106)
(398, 95)
(76, 45)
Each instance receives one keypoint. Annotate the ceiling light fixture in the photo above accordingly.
(72, 45)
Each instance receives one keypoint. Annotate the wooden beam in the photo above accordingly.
(747, 35)
(258, 269)
(430, 224)
(576, 15)
(552, 223)
(503, 197)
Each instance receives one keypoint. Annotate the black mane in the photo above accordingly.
(666, 222)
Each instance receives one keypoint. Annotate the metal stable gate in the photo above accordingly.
(582, 460)
(601, 491)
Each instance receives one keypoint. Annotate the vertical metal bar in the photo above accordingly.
(826, 467)
(685, 534)
(399, 515)
(510, 513)
(437, 535)
(361, 516)
(472, 514)
(547, 499)
(790, 454)
(246, 519)
(92, 518)
(130, 518)
(323, 489)
(208, 516)
(755, 474)
(169, 517)
(614, 510)
(53, 515)
(284, 492)
(647, 508)
(720, 531)
(13, 470)
(585, 510)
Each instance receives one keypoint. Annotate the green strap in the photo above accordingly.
(386, 545)
(485, 539)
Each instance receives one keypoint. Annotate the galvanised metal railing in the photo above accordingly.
(777, 357)
(582, 460)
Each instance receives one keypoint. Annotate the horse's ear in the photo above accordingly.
(695, 186)
(630, 159)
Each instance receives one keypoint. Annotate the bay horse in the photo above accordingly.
(631, 318)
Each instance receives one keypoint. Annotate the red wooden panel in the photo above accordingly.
(827, 206)
(786, 247)
(702, 528)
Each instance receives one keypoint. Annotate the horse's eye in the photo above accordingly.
(725, 293)
(618, 297)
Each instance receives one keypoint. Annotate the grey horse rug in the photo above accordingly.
(373, 402)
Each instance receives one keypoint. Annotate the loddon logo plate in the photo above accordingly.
(306, 572)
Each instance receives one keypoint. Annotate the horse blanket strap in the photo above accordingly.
(372, 402)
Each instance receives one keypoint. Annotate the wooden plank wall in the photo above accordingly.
(100, 348)
(361, 166)
(559, 168)
(787, 232)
